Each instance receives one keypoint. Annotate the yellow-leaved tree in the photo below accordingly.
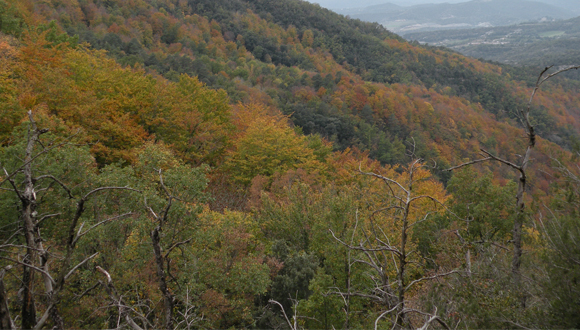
(267, 145)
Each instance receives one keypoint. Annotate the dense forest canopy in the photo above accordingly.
(224, 164)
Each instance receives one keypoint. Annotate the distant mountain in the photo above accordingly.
(472, 14)
(533, 44)
(570, 5)
(368, 11)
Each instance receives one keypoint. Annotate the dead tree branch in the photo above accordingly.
(529, 129)
(118, 301)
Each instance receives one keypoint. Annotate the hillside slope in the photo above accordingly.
(354, 83)
(205, 164)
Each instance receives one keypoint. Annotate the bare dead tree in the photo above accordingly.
(117, 300)
(377, 252)
(37, 257)
(6, 321)
(430, 319)
(189, 318)
(521, 167)
(161, 256)
(292, 324)
(161, 219)
(349, 263)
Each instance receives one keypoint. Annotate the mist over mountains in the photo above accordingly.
(472, 14)
(535, 33)
(533, 43)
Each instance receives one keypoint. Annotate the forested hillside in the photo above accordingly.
(217, 164)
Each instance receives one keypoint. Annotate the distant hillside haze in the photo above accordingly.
(343, 4)
(569, 5)
(535, 44)
(517, 32)
(471, 14)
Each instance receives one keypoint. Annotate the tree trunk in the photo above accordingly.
(403, 269)
(5, 319)
(347, 300)
(519, 220)
(28, 199)
(468, 261)
(28, 308)
(167, 296)
(34, 248)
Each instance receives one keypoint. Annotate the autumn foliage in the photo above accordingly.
(244, 129)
